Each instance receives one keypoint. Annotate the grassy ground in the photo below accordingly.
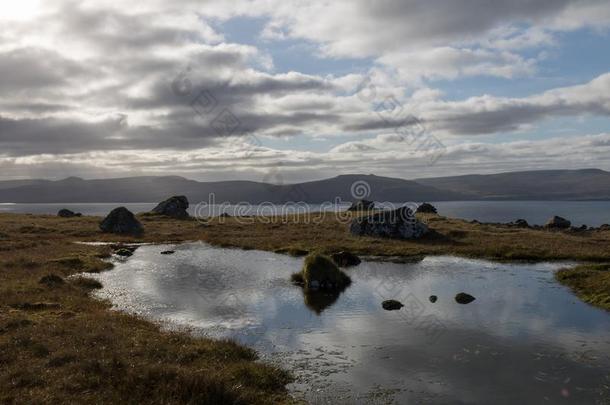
(591, 282)
(57, 345)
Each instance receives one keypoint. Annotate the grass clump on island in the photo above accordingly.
(320, 273)
(590, 282)
(59, 345)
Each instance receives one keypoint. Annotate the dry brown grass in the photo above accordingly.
(591, 282)
(57, 345)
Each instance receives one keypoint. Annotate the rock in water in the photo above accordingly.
(121, 221)
(426, 208)
(65, 213)
(463, 298)
(391, 305)
(362, 205)
(345, 259)
(397, 224)
(557, 223)
(174, 207)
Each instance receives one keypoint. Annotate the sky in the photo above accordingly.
(302, 90)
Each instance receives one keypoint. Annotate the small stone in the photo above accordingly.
(391, 305)
(463, 298)
(433, 298)
(168, 252)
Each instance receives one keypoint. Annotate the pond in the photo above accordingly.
(525, 339)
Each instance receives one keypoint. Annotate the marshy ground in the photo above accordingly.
(59, 345)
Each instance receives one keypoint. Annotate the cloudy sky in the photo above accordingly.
(308, 89)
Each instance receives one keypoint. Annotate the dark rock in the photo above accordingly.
(397, 224)
(124, 252)
(174, 207)
(345, 259)
(362, 205)
(520, 223)
(52, 280)
(463, 298)
(391, 305)
(121, 221)
(168, 252)
(557, 223)
(426, 208)
(433, 298)
(65, 213)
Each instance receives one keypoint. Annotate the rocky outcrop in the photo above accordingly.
(345, 259)
(426, 208)
(397, 224)
(65, 213)
(174, 207)
(362, 205)
(391, 305)
(121, 221)
(557, 223)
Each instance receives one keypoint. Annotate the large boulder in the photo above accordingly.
(397, 224)
(362, 205)
(426, 208)
(557, 223)
(121, 221)
(174, 207)
(65, 213)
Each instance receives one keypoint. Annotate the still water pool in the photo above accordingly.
(525, 339)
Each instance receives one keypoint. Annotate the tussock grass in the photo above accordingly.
(590, 282)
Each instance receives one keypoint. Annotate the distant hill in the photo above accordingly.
(586, 184)
(153, 189)
(589, 184)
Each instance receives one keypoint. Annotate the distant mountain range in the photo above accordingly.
(587, 184)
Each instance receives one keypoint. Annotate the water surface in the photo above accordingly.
(525, 339)
(591, 213)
